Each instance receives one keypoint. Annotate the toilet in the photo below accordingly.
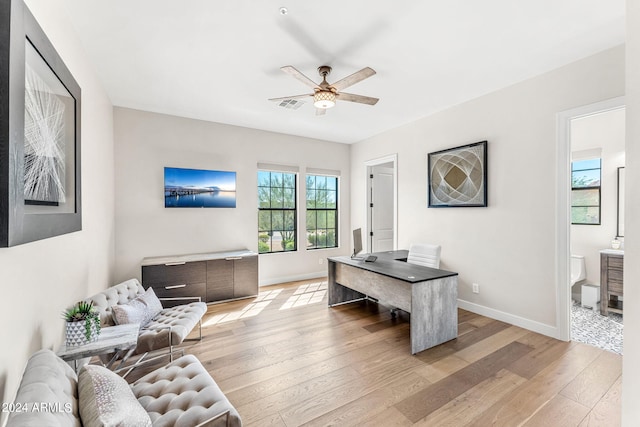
(578, 269)
(590, 294)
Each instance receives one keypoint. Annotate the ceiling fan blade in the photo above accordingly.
(321, 111)
(342, 96)
(353, 78)
(298, 75)
(306, 95)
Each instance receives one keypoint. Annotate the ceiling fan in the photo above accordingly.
(324, 94)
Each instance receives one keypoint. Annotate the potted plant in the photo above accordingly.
(83, 323)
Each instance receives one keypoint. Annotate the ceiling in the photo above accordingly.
(219, 60)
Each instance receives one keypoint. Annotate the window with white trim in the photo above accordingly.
(585, 191)
(322, 211)
(277, 213)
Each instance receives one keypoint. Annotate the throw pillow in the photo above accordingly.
(139, 310)
(154, 306)
(135, 311)
(105, 399)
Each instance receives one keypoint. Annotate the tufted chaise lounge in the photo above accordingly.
(180, 394)
(167, 329)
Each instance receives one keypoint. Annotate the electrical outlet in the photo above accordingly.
(476, 288)
(320, 261)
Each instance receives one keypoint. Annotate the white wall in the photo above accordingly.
(605, 131)
(507, 248)
(147, 142)
(40, 279)
(630, 365)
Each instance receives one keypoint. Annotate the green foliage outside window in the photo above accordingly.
(276, 211)
(322, 211)
(585, 192)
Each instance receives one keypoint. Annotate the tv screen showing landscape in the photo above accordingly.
(196, 188)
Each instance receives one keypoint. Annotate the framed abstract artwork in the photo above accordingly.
(457, 177)
(39, 134)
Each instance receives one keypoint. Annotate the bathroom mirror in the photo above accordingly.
(621, 202)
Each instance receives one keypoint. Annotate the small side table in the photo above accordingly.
(116, 339)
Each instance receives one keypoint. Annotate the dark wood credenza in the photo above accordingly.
(611, 283)
(214, 277)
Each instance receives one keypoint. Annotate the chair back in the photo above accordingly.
(121, 293)
(424, 254)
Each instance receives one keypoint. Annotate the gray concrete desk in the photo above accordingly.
(429, 294)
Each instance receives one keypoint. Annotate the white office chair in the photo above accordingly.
(424, 254)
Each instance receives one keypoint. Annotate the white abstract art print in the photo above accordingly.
(48, 107)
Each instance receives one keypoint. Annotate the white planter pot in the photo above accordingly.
(75, 335)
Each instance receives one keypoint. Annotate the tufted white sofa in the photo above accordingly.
(180, 394)
(167, 329)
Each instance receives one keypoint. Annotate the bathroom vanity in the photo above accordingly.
(611, 272)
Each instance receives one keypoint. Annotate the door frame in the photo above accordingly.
(392, 158)
(563, 210)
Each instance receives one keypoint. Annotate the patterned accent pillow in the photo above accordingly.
(139, 310)
(105, 399)
(135, 311)
(154, 306)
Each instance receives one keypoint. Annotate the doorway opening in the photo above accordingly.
(590, 151)
(382, 203)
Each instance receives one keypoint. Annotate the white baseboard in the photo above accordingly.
(532, 325)
(285, 279)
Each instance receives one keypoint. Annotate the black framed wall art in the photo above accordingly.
(39, 133)
(457, 177)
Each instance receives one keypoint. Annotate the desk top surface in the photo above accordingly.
(393, 264)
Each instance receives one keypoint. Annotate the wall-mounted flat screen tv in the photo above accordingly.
(197, 188)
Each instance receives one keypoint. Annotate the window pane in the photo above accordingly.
(322, 239)
(585, 164)
(311, 239)
(331, 238)
(321, 199)
(276, 242)
(276, 179)
(322, 219)
(264, 197)
(331, 199)
(289, 198)
(331, 219)
(311, 198)
(289, 220)
(277, 220)
(585, 197)
(264, 179)
(588, 178)
(288, 241)
(264, 243)
(585, 215)
(289, 180)
(311, 182)
(264, 221)
(276, 198)
(332, 183)
(321, 182)
(311, 220)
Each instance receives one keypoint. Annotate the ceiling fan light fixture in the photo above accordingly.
(324, 99)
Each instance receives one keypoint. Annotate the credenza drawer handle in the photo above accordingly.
(231, 258)
(175, 286)
(169, 264)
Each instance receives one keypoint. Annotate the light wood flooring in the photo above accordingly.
(286, 359)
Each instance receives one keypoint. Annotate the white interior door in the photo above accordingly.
(381, 207)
